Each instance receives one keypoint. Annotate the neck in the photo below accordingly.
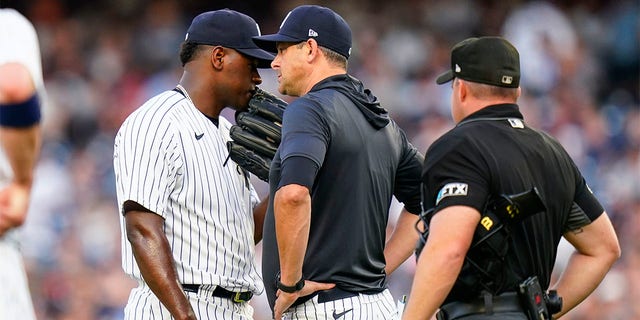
(320, 73)
(474, 104)
(200, 93)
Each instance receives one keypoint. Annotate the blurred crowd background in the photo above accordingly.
(102, 59)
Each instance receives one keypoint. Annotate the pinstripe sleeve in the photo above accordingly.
(255, 198)
(147, 158)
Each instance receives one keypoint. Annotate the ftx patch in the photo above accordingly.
(452, 189)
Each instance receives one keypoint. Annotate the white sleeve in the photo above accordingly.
(19, 43)
(255, 198)
(146, 161)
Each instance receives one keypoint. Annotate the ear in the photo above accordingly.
(462, 86)
(217, 57)
(312, 49)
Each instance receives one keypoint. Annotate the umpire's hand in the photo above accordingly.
(285, 300)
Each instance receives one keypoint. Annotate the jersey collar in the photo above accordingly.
(505, 110)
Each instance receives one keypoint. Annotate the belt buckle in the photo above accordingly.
(238, 297)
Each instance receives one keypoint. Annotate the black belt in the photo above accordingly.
(506, 302)
(332, 295)
(221, 292)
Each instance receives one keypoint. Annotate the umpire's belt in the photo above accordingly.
(506, 302)
(221, 292)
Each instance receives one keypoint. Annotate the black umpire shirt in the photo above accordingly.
(493, 152)
(364, 159)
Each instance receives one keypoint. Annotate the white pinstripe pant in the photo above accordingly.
(144, 305)
(15, 299)
(379, 306)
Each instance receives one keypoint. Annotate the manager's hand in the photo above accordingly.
(284, 300)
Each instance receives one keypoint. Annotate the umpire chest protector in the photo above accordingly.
(485, 267)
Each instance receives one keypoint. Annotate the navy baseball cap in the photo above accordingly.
(489, 60)
(311, 21)
(230, 29)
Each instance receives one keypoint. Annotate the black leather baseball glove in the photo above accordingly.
(256, 134)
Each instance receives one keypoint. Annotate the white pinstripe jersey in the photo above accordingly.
(169, 157)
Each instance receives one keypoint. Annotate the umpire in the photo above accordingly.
(501, 195)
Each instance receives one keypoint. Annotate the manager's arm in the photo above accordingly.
(402, 242)
(258, 219)
(292, 206)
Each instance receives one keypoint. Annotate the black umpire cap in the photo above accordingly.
(489, 60)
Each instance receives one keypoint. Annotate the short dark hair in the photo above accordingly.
(487, 90)
(334, 57)
(189, 51)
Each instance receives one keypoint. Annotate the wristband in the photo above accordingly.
(290, 289)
